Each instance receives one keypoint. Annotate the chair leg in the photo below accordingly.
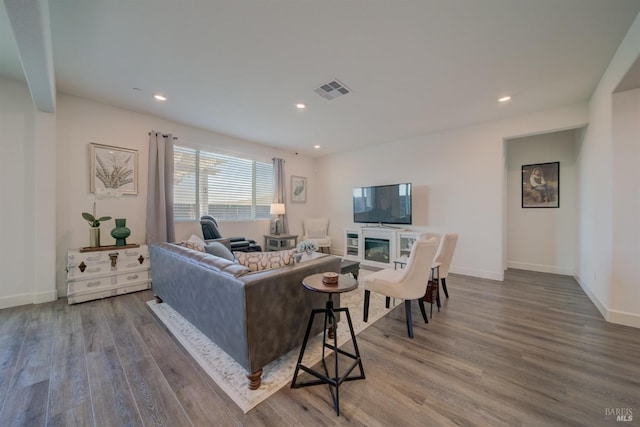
(407, 311)
(438, 300)
(423, 311)
(444, 287)
(367, 295)
(387, 302)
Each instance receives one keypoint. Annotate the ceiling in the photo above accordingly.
(413, 66)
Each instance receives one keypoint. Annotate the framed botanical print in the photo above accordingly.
(113, 168)
(298, 189)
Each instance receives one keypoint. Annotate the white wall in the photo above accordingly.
(595, 174)
(625, 256)
(458, 181)
(27, 217)
(81, 121)
(542, 239)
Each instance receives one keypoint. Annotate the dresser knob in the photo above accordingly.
(114, 259)
(82, 266)
(141, 259)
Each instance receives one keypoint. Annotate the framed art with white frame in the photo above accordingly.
(113, 168)
(298, 189)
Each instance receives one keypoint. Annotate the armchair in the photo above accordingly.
(317, 230)
(210, 230)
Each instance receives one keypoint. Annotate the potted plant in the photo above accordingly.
(307, 246)
(94, 223)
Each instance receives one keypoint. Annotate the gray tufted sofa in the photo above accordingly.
(255, 317)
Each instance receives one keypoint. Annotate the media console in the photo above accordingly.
(377, 246)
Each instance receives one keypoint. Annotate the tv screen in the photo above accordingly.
(384, 204)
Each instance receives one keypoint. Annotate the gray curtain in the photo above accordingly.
(160, 189)
(280, 190)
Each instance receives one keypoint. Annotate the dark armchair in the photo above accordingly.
(210, 230)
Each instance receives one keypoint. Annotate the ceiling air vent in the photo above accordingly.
(332, 90)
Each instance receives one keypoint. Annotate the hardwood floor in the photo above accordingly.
(532, 350)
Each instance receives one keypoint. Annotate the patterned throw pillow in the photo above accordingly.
(195, 242)
(258, 261)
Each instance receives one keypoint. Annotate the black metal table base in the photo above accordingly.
(324, 378)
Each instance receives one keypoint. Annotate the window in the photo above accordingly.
(225, 187)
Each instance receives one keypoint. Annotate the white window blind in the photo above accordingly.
(225, 187)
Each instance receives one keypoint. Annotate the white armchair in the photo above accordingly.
(317, 230)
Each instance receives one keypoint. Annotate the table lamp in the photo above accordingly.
(277, 209)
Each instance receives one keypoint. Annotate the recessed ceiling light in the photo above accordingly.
(505, 99)
(160, 97)
(317, 147)
(301, 106)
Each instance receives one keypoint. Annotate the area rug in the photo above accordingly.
(231, 377)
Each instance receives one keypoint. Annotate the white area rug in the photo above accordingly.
(231, 377)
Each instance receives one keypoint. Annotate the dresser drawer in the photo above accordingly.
(97, 264)
(111, 292)
(93, 284)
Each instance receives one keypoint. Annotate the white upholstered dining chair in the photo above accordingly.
(444, 257)
(409, 284)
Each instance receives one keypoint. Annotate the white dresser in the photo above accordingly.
(107, 271)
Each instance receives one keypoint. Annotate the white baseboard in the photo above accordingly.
(46, 296)
(24, 299)
(614, 316)
(474, 272)
(624, 318)
(540, 268)
(601, 308)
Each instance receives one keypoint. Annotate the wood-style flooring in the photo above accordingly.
(532, 350)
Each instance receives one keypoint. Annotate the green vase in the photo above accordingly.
(121, 232)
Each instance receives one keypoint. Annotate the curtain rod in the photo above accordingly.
(164, 135)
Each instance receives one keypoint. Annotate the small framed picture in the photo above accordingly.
(298, 189)
(113, 168)
(541, 185)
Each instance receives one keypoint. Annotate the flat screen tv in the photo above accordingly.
(382, 204)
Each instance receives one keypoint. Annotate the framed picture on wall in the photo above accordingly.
(541, 185)
(298, 189)
(113, 168)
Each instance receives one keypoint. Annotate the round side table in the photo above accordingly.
(345, 284)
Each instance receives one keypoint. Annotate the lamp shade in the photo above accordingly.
(277, 209)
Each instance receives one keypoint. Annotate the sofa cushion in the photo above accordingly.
(195, 242)
(219, 250)
(258, 261)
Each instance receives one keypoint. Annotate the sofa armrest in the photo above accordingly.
(203, 289)
(278, 308)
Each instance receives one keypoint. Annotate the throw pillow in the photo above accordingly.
(219, 250)
(195, 242)
(258, 261)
